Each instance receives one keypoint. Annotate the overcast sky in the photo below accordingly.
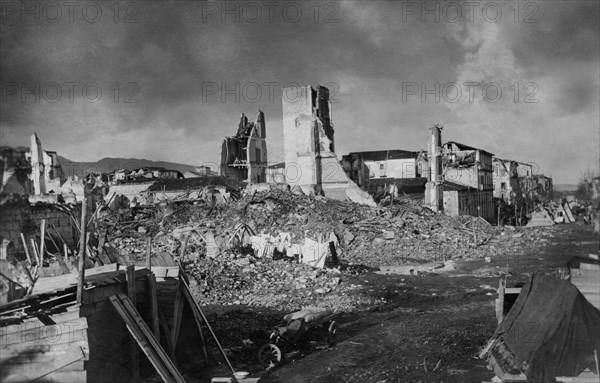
(382, 61)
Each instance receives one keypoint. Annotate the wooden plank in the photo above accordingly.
(82, 248)
(64, 377)
(151, 291)
(146, 340)
(103, 257)
(135, 358)
(44, 348)
(584, 273)
(14, 373)
(589, 266)
(58, 317)
(166, 271)
(56, 333)
(512, 290)
(49, 284)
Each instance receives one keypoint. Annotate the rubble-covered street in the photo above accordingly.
(415, 288)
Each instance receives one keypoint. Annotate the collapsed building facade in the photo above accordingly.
(506, 175)
(468, 181)
(244, 156)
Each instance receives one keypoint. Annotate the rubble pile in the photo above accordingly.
(214, 243)
(280, 285)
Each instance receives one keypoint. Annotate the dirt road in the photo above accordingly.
(432, 327)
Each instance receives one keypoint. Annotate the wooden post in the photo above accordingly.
(26, 248)
(149, 253)
(82, 237)
(42, 240)
(135, 360)
(498, 215)
(151, 286)
(35, 253)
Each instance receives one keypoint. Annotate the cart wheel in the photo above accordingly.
(269, 354)
(332, 333)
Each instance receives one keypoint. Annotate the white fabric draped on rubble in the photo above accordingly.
(312, 252)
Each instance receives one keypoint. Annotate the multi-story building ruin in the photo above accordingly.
(244, 156)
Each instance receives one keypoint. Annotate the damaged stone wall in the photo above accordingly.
(310, 159)
(20, 217)
(47, 173)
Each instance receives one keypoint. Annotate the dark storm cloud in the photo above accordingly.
(176, 48)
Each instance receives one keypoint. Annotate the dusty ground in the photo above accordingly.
(431, 328)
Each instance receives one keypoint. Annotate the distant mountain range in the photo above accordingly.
(564, 187)
(107, 165)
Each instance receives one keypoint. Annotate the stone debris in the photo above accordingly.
(287, 250)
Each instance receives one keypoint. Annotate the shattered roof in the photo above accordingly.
(466, 147)
(182, 184)
(382, 155)
(449, 185)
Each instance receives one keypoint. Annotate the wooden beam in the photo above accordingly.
(149, 253)
(211, 330)
(135, 358)
(146, 340)
(152, 298)
(26, 248)
(82, 238)
(35, 253)
(177, 314)
(42, 240)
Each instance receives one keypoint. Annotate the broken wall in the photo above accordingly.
(22, 218)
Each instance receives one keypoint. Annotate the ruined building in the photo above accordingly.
(244, 156)
(506, 178)
(387, 172)
(310, 159)
(46, 171)
(537, 187)
(468, 181)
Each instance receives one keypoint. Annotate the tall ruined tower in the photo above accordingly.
(308, 135)
(37, 165)
(434, 188)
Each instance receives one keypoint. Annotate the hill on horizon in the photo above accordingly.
(565, 187)
(107, 165)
